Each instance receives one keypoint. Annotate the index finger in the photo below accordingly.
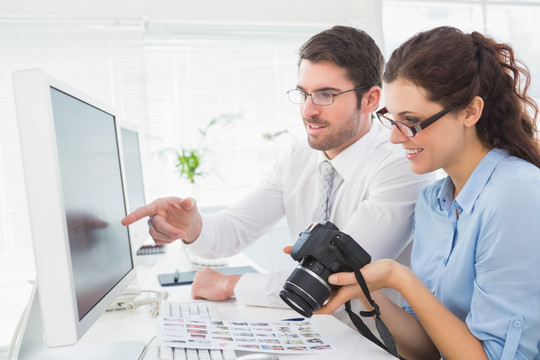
(139, 213)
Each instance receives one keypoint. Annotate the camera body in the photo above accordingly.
(307, 288)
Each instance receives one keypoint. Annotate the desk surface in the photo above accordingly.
(140, 325)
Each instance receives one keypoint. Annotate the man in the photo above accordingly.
(339, 86)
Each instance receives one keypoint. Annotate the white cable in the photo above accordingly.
(147, 347)
(156, 300)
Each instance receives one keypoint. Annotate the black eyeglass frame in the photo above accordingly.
(416, 128)
(328, 91)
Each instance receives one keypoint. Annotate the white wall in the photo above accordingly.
(364, 14)
(209, 10)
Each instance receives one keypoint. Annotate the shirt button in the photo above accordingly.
(517, 324)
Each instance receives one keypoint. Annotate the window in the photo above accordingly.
(518, 25)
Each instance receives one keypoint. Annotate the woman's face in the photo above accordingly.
(441, 145)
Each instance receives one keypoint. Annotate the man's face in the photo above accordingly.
(331, 128)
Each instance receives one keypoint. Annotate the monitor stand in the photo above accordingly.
(28, 342)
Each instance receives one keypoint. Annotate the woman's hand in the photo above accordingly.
(348, 290)
(377, 275)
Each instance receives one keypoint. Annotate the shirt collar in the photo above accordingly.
(344, 162)
(474, 185)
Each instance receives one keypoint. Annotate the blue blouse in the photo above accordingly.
(485, 265)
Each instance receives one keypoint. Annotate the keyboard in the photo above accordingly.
(204, 262)
(151, 249)
(189, 310)
(194, 354)
(195, 310)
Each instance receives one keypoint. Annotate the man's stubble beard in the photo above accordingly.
(344, 134)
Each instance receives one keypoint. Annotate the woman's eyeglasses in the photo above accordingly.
(410, 130)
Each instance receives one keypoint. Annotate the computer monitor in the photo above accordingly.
(135, 183)
(75, 193)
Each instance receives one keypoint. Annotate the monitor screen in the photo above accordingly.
(131, 152)
(75, 193)
(91, 183)
(133, 168)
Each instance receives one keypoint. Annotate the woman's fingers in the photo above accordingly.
(343, 278)
(344, 294)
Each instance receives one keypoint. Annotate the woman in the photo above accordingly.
(459, 102)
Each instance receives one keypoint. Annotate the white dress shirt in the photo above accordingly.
(372, 200)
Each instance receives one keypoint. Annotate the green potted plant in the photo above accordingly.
(187, 163)
(187, 160)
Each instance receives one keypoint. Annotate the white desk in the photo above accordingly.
(139, 325)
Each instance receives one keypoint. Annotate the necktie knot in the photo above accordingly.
(322, 211)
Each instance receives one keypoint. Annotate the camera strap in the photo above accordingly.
(389, 342)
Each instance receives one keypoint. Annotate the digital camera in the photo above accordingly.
(307, 288)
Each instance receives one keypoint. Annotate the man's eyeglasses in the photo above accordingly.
(320, 97)
(410, 130)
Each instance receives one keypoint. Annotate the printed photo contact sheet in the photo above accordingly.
(261, 336)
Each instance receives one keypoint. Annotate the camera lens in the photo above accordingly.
(306, 290)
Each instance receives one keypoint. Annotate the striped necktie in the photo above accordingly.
(322, 211)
